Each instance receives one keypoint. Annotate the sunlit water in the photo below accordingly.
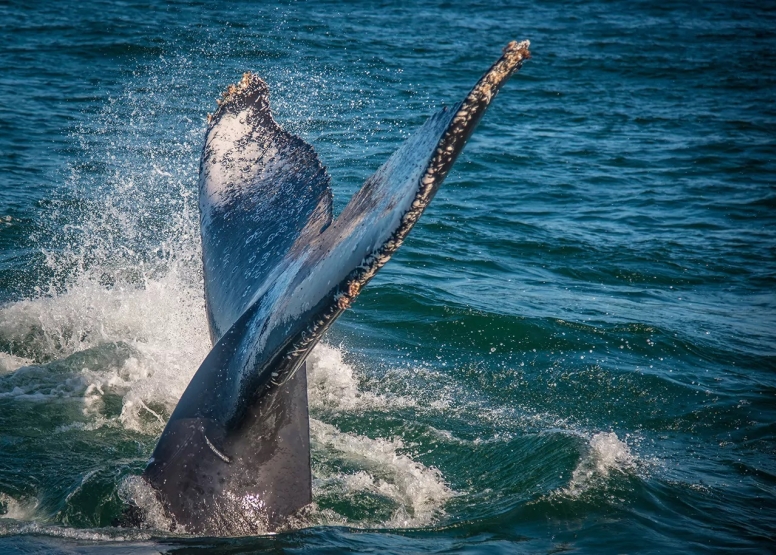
(573, 351)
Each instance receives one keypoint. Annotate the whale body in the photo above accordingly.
(234, 457)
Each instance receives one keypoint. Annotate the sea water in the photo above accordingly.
(575, 350)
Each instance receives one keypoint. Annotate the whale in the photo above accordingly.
(279, 268)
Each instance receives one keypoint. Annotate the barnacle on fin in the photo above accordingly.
(249, 79)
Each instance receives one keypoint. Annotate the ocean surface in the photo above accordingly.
(575, 350)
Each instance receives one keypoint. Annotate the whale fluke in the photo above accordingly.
(234, 457)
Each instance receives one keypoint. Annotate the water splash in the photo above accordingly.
(18, 509)
(607, 455)
(119, 310)
(142, 342)
(349, 470)
(135, 490)
(334, 385)
(415, 493)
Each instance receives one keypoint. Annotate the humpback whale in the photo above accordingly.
(234, 457)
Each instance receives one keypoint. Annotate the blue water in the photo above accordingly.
(574, 351)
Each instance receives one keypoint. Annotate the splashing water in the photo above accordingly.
(415, 492)
(17, 509)
(606, 454)
(119, 318)
(143, 342)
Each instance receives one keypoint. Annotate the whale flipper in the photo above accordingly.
(234, 456)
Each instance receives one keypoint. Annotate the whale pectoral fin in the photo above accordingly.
(245, 480)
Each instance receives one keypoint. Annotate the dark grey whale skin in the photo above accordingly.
(268, 460)
(234, 457)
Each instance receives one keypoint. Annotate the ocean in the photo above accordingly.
(574, 351)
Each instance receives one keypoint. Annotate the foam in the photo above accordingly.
(137, 491)
(607, 454)
(162, 323)
(14, 528)
(17, 509)
(157, 330)
(157, 333)
(9, 363)
(419, 492)
(378, 467)
(333, 385)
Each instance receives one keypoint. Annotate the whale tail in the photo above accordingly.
(234, 457)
